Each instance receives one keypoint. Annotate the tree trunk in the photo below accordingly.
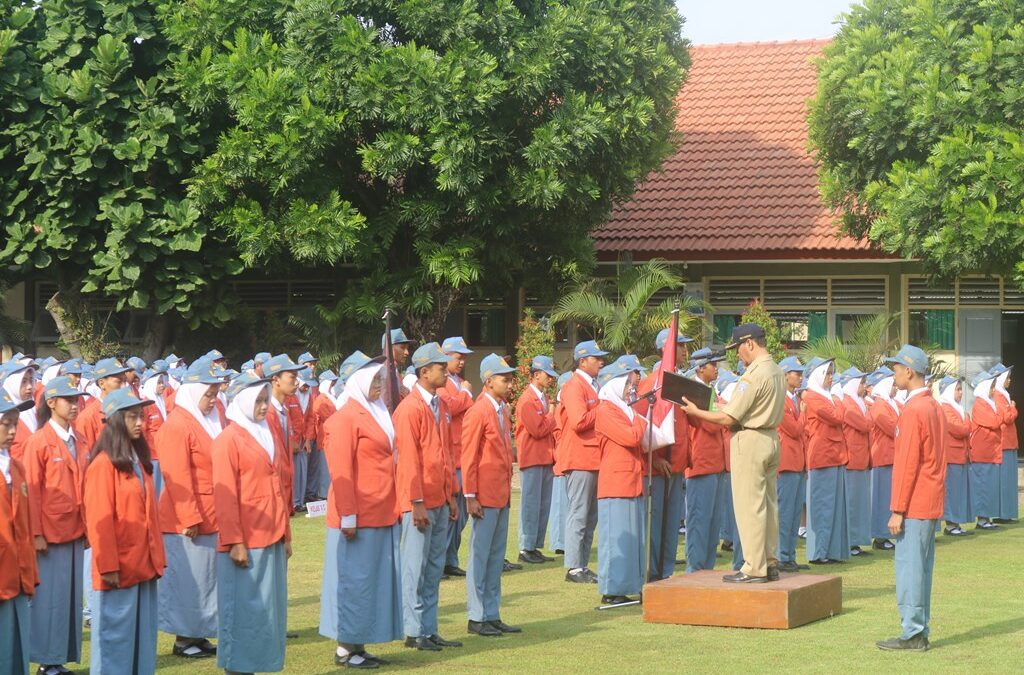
(62, 317)
(428, 327)
(155, 339)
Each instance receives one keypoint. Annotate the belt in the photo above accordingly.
(757, 429)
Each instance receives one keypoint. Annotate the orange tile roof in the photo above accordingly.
(742, 184)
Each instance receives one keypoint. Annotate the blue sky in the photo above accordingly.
(711, 21)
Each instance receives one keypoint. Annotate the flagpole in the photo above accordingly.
(666, 497)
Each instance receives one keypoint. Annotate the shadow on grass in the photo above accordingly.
(1014, 625)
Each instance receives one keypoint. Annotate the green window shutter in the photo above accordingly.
(817, 326)
(939, 325)
(724, 323)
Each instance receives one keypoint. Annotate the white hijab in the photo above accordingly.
(148, 391)
(837, 391)
(303, 397)
(816, 380)
(948, 395)
(357, 389)
(1000, 384)
(241, 410)
(883, 390)
(614, 391)
(188, 397)
(51, 373)
(984, 392)
(12, 385)
(91, 388)
(324, 389)
(850, 389)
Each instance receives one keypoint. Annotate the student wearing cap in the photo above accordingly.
(857, 477)
(955, 450)
(324, 407)
(918, 490)
(559, 496)
(300, 416)
(18, 575)
(124, 534)
(108, 376)
(18, 381)
(188, 589)
(284, 380)
(316, 473)
(258, 362)
(792, 478)
(620, 484)
(487, 464)
(250, 492)
(581, 457)
(668, 484)
(885, 413)
(55, 472)
(133, 376)
(1007, 410)
(401, 347)
(828, 539)
(986, 452)
(457, 394)
(154, 383)
(706, 476)
(218, 359)
(426, 496)
(363, 520)
(535, 448)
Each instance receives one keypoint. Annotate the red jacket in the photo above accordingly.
(919, 469)
(857, 434)
(248, 492)
(296, 422)
(709, 447)
(458, 401)
(284, 445)
(426, 466)
(579, 442)
(88, 426)
(123, 527)
(309, 429)
(21, 436)
(535, 430)
(883, 433)
(622, 463)
(1009, 415)
(18, 572)
(823, 421)
(958, 435)
(791, 437)
(986, 434)
(363, 469)
(55, 480)
(559, 467)
(151, 426)
(186, 461)
(323, 409)
(487, 454)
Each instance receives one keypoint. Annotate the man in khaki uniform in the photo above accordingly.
(754, 413)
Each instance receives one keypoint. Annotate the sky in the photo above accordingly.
(713, 21)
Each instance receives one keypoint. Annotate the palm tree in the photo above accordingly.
(620, 308)
(329, 332)
(865, 349)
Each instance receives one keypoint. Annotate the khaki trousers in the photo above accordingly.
(754, 456)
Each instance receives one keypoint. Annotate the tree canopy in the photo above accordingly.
(917, 126)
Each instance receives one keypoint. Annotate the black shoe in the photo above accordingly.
(191, 651)
(300, 509)
(918, 643)
(483, 629)
(542, 556)
(52, 670)
(532, 557)
(612, 600)
(741, 578)
(823, 561)
(509, 566)
(441, 642)
(986, 525)
(504, 627)
(773, 573)
(789, 566)
(726, 545)
(453, 571)
(359, 661)
(578, 577)
(424, 644)
(292, 635)
(590, 575)
(882, 545)
(681, 561)
(955, 532)
(559, 551)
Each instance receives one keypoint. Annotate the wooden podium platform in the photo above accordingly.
(703, 599)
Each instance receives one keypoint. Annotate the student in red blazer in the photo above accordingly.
(535, 448)
(559, 496)
(580, 459)
(955, 450)
(109, 376)
(250, 490)
(323, 407)
(857, 436)
(426, 495)
(284, 381)
(986, 451)
(791, 484)
(124, 533)
(918, 490)
(18, 576)
(457, 394)
(1006, 408)
(487, 480)
(298, 406)
(18, 382)
(55, 478)
(884, 415)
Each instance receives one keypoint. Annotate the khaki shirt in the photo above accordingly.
(760, 397)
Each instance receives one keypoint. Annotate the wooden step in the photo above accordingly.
(703, 599)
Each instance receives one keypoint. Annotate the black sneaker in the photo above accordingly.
(578, 577)
(453, 571)
(918, 643)
(883, 545)
(532, 557)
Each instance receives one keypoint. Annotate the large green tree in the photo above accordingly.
(919, 128)
(95, 144)
(436, 146)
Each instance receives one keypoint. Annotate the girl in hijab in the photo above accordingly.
(828, 539)
(20, 385)
(254, 538)
(188, 590)
(885, 413)
(363, 522)
(124, 534)
(857, 435)
(620, 489)
(559, 497)
(986, 453)
(1007, 410)
(955, 450)
(153, 385)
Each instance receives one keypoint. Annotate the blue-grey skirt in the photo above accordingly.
(985, 489)
(620, 546)
(370, 586)
(858, 506)
(958, 494)
(188, 589)
(881, 496)
(253, 608)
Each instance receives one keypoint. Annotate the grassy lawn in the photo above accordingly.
(977, 622)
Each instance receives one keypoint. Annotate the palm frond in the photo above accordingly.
(585, 306)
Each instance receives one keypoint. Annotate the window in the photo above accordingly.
(799, 328)
(724, 323)
(932, 327)
(845, 325)
(485, 327)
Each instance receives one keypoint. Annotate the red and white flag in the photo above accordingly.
(663, 417)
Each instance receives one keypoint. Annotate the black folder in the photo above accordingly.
(675, 387)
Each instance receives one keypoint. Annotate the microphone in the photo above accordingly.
(650, 396)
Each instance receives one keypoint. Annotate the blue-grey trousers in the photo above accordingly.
(915, 560)
(704, 512)
(534, 506)
(488, 537)
(580, 517)
(791, 487)
(422, 563)
(665, 524)
(455, 527)
(299, 477)
(556, 518)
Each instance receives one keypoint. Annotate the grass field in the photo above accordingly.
(977, 622)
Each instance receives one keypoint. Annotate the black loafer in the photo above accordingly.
(424, 644)
(773, 573)
(577, 577)
(882, 545)
(590, 575)
(508, 566)
(483, 629)
(532, 557)
(741, 578)
(441, 642)
(559, 551)
(363, 662)
(918, 643)
(789, 566)
(612, 600)
(454, 571)
(542, 556)
(191, 651)
(727, 546)
(504, 627)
